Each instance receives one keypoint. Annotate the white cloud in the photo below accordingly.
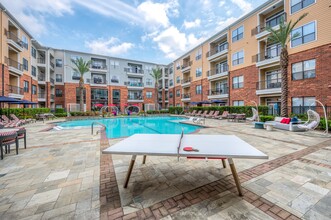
(192, 24)
(221, 3)
(154, 14)
(111, 46)
(243, 5)
(225, 23)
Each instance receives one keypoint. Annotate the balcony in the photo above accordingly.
(41, 78)
(52, 81)
(268, 57)
(134, 85)
(137, 72)
(98, 65)
(268, 87)
(41, 61)
(15, 92)
(186, 82)
(261, 30)
(135, 98)
(218, 52)
(219, 93)
(14, 66)
(218, 73)
(14, 42)
(52, 97)
(51, 64)
(186, 97)
(98, 80)
(41, 96)
(186, 66)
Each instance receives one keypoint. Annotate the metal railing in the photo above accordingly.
(135, 97)
(52, 80)
(186, 96)
(15, 90)
(10, 35)
(213, 72)
(186, 80)
(52, 64)
(41, 77)
(187, 64)
(42, 95)
(221, 91)
(41, 60)
(133, 70)
(97, 80)
(269, 23)
(135, 84)
(14, 63)
(267, 54)
(98, 66)
(217, 49)
(98, 123)
(269, 84)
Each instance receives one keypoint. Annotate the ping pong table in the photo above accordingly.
(208, 146)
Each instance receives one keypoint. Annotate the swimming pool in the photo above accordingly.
(123, 127)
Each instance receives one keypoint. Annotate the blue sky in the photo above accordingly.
(155, 31)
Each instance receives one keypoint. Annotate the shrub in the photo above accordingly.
(322, 124)
(264, 118)
(175, 110)
(24, 112)
(59, 115)
(59, 110)
(263, 110)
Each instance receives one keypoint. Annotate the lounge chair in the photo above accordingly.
(224, 115)
(240, 117)
(198, 114)
(191, 113)
(204, 114)
(216, 114)
(10, 123)
(210, 114)
(15, 118)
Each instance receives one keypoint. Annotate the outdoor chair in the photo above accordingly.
(231, 117)
(224, 115)
(198, 114)
(313, 121)
(240, 117)
(40, 117)
(204, 114)
(191, 113)
(6, 139)
(210, 114)
(216, 114)
(255, 116)
(15, 118)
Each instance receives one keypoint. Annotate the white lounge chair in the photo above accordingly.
(313, 121)
(255, 116)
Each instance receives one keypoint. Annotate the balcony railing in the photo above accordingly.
(98, 66)
(269, 23)
(41, 77)
(217, 49)
(186, 96)
(187, 64)
(135, 97)
(133, 70)
(52, 81)
(52, 64)
(268, 54)
(99, 81)
(41, 95)
(15, 90)
(186, 80)
(52, 96)
(269, 84)
(213, 72)
(14, 63)
(134, 84)
(75, 77)
(41, 60)
(12, 36)
(219, 91)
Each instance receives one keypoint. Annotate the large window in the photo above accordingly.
(170, 95)
(304, 70)
(33, 71)
(58, 92)
(58, 62)
(297, 5)
(149, 82)
(25, 64)
(114, 63)
(178, 79)
(198, 54)
(33, 52)
(114, 79)
(78, 95)
(58, 77)
(25, 42)
(238, 34)
(198, 89)
(177, 65)
(238, 82)
(300, 105)
(238, 103)
(75, 75)
(178, 93)
(73, 57)
(34, 90)
(26, 86)
(171, 82)
(99, 96)
(149, 95)
(238, 58)
(306, 33)
(198, 72)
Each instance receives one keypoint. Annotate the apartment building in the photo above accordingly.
(239, 66)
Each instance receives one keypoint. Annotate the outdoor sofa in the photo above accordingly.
(288, 124)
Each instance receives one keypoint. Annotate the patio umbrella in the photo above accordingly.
(111, 105)
(5, 99)
(98, 105)
(205, 102)
(218, 101)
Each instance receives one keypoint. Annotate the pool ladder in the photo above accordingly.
(95, 122)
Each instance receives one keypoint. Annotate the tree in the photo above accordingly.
(156, 75)
(283, 36)
(81, 67)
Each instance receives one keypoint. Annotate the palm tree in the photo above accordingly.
(283, 36)
(157, 75)
(81, 67)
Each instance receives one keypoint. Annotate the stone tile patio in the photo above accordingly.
(63, 175)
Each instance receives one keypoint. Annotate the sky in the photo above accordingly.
(153, 31)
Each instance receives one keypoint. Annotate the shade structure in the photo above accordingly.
(7, 99)
(98, 105)
(24, 102)
(218, 101)
(193, 103)
(111, 105)
(205, 102)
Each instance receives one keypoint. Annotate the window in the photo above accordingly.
(34, 90)
(33, 71)
(171, 82)
(198, 72)
(26, 86)
(114, 79)
(238, 82)
(198, 89)
(75, 75)
(58, 77)
(25, 64)
(221, 67)
(58, 106)
(178, 93)
(297, 5)
(304, 70)
(58, 62)
(149, 82)
(25, 42)
(149, 95)
(58, 92)
(114, 63)
(306, 33)
(178, 105)
(238, 58)
(238, 34)
(171, 70)
(238, 103)
(300, 105)
(75, 57)
(170, 95)
(33, 52)
(178, 79)
(198, 54)
(177, 65)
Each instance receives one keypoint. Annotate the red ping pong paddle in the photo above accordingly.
(190, 149)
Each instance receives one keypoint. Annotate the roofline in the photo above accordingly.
(228, 27)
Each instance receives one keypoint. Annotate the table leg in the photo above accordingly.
(144, 159)
(223, 162)
(235, 176)
(133, 159)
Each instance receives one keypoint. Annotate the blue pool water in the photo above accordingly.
(123, 127)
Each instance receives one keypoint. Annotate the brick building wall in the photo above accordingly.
(4, 79)
(60, 100)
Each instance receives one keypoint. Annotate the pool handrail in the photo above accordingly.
(95, 122)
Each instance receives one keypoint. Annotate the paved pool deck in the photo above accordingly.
(64, 175)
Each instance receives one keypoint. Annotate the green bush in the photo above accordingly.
(24, 112)
(59, 115)
(175, 110)
(59, 110)
(322, 124)
(152, 112)
(264, 118)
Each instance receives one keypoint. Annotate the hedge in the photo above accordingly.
(263, 110)
(175, 110)
(264, 118)
(59, 115)
(24, 112)
(59, 110)
(157, 112)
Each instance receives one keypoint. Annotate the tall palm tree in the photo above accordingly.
(156, 75)
(283, 36)
(81, 67)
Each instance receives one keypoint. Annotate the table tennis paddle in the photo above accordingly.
(190, 149)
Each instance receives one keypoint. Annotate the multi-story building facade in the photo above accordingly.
(236, 66)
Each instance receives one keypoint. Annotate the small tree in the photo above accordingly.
(283, 36)
(156, 75)
(81, 67)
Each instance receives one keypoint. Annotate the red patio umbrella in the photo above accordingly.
(98, 105)
(111, 105)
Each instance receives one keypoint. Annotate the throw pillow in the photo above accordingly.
(283, 121)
